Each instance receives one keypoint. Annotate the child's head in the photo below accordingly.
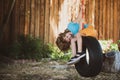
(63, 40)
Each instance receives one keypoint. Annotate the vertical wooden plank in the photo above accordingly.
(32, 18)
(115, 28)
(22, 16)
(104, 18)
(52, 3)
(5, 36)
(16, 18)
(83, 8)
(1, 12)
(37, 19)
(55, 27)
(118, 9)
(42, 19)
(1, 18)
(96, 17)
(108, 26)
(60, 2)
(13, 23)
(53, 21)
(10, 21)
(89, 7)
(61, 6)
(107, 17)
(111, 19)
(87, 11)
(27, 17)
(91, 11)
(2, 35)
(47, 21)
(101, 20)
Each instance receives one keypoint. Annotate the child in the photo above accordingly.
(71, 36)
(68, 39)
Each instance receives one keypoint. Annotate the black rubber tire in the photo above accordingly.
(95, 58)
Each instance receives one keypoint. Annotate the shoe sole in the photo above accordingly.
(77, 60)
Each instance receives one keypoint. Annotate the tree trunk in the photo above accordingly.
(111, 62)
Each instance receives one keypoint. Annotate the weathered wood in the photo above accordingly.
(32, 18)
(96, 17)
(101, 19)
(16, 19)
(87, 11)
(1, 12)
(27, 17)
(47, 18)
(55, 31)
(4, 25)
(90, 11)
(118, 9)
(111, 62)
(52, 7)
(37, 19)
(42, 19)
(115, 28)
(22, 17)
(111, 19)
(105, 13)
(108, 19)
(5, 20)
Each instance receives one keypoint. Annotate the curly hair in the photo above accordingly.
(62, 44)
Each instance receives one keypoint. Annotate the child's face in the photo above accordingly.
(68, 36)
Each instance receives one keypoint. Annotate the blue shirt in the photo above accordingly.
(74, 27)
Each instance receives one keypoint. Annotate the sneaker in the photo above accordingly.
(75, 59)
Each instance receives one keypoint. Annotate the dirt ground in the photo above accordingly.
(47, 70)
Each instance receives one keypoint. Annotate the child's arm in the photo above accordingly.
(79, 18)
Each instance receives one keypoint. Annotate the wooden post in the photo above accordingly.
(22, 16)
(52, 7)
(27, 17)
(47, 21)
(115, 28)
(101, 19)
(37, 19)
(32, 18)
(16, 19)
(42, 19)
(110, 19)
(5, 20)
(96, 17)
(118, 20)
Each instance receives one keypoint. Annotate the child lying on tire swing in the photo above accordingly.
(73, 34)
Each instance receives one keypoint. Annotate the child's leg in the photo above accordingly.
(76, 57)
(73, 47)
(79, 43)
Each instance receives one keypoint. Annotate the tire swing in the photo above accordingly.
(91, 64)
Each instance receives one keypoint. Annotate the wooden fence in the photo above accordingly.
(47, 18)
